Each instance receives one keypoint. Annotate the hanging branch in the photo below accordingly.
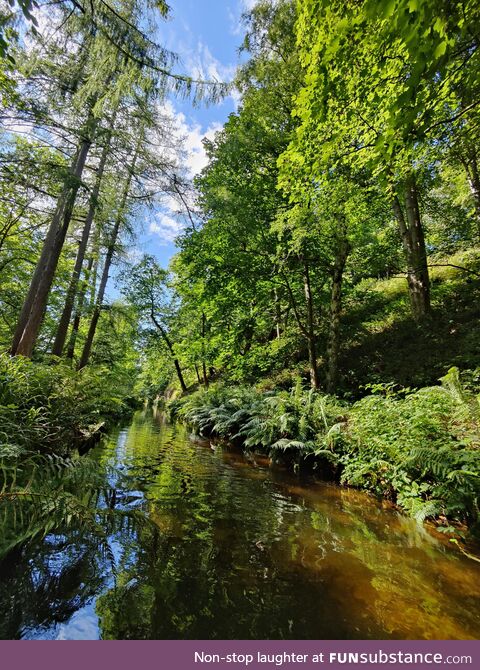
(207, 91)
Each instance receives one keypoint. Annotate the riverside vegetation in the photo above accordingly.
(323, 301)
(417, 448)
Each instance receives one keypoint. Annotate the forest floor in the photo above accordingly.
(384, 344)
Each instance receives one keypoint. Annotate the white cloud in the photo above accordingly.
(133, 255)
(203, 65)
(170, 203)
(166, 228)
(234, 17)
(192, 135)
(171, 217)
(197, 158)
(199, 64)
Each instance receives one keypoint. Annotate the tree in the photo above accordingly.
(149, 293)
(110, 64)
(64, 322)
(112, 242)
(382, 84)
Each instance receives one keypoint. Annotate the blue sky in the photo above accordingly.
(206, 35)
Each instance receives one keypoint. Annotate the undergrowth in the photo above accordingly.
(418, 448)
(48, 411)
(377, 321)
(52, 408)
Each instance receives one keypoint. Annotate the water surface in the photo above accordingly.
(209, 544)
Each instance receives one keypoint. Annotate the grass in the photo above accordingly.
(383, 343)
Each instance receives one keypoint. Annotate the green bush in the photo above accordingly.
(421, 450)
(51, 407)
(286, 420)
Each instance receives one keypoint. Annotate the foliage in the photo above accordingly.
(40, 495)
(382, 343)
(294, 227)
(52, 408)
(420, 449)
(50, 495)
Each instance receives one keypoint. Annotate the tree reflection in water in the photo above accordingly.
(209, 545)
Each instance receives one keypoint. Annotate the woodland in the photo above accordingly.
(323, 303)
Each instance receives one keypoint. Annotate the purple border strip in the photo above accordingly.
(238, 654)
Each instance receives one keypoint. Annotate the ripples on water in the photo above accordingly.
(223, 547)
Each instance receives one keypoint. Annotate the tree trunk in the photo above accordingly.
(413, 241)
(475, 189)
(248, 332)
(31, 315)
(94, 269)
(75, 328)
(204, 364)
(87, 347)
(470, 165)
(178, 370)
(62, 330)
(82, 296)
(167, 341)
(310, 330)
(333, 347)
(278, 315)
(198, 374)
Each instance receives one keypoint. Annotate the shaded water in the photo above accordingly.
(225, 547)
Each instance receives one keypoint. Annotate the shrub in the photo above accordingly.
(421, 450)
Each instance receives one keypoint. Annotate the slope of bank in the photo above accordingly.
(383, 343)
(52, 408)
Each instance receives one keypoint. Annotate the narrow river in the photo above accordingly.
(208, 544)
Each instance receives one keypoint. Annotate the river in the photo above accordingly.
(206, 543)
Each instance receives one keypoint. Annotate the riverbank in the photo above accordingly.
(51, 408)
(51, 413)
(419, 449)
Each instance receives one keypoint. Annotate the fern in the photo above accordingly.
(285, 444)
(419, 448)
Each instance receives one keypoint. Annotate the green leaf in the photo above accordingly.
(440, 50)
